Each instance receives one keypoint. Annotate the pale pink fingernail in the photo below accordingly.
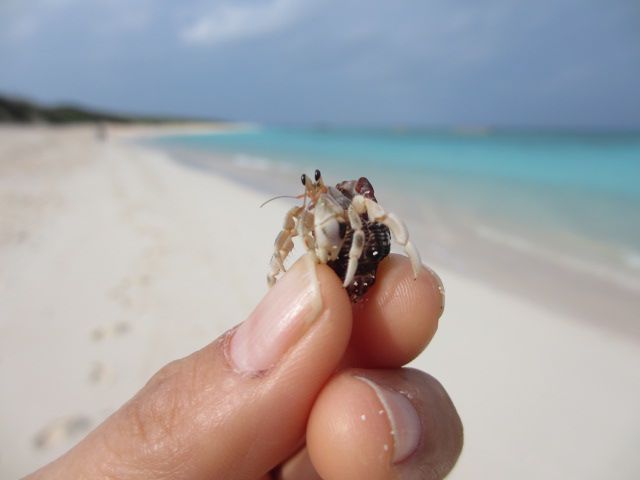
(404, 421)
(279, 320)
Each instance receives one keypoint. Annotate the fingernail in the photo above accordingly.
(279, 320)
(406, 429)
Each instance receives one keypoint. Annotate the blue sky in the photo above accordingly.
(566, 63)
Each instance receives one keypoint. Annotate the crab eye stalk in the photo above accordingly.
(303, 179)
(317, 175)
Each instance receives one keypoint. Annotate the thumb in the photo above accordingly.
(236, 408)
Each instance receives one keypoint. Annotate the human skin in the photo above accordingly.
(309, 386)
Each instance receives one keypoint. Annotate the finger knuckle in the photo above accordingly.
(156, 416)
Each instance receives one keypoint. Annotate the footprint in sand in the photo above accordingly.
(100, 374)
(61, 431)
(115, 329)
(130, 291)
(122, 293)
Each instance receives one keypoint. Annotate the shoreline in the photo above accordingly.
(112, 256)
(471, 248)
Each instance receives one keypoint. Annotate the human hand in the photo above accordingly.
(307, 366)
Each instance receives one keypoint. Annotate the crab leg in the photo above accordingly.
(399, 231)
(305, 230)
(357, 245)
(283, 244)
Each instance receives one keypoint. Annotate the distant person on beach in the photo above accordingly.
(309, 386)
(102, 134)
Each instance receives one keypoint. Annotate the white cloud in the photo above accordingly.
(21, 21)
(232, 22)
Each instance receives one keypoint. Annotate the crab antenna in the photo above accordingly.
(277, 197)
(304, 199)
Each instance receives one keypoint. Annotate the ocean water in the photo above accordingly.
(570, 199)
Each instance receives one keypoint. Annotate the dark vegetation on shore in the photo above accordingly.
(18, 110)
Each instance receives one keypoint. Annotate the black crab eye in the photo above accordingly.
(317, 175)
(303, 179)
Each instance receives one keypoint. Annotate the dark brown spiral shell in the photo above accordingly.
(377, 245)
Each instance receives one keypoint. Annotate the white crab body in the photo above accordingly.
(328, 225)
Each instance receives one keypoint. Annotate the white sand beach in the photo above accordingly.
(115, 259)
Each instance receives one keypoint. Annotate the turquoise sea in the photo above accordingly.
(571, 199)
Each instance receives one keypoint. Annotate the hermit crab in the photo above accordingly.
(345, 228)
